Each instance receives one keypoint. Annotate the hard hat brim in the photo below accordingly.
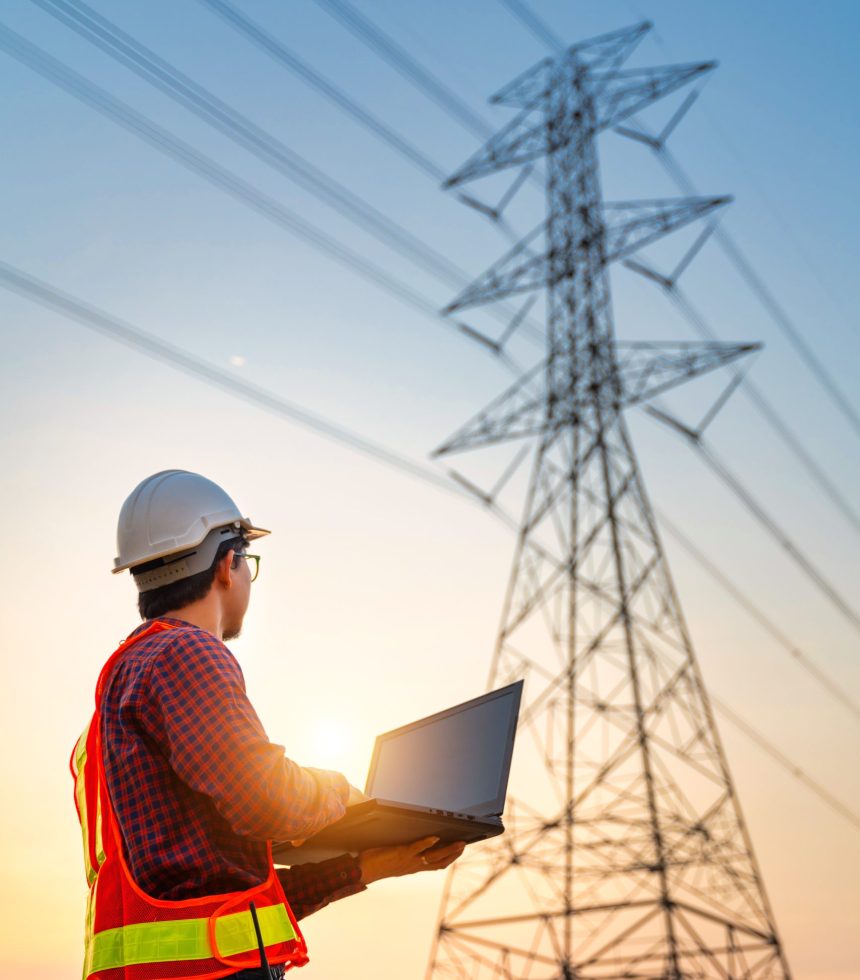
(251, 532)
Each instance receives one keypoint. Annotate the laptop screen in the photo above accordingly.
(455, 760)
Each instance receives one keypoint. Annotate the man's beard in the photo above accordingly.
(233, 632)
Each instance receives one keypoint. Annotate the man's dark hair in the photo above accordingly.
(176, 595)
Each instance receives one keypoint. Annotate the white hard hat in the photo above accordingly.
(180, 514)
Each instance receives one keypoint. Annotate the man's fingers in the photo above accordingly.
(441, 857)
(440, 863)
(422, 845)
(456, 845)
(441, 853)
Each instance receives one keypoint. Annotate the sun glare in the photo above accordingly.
(330, 745)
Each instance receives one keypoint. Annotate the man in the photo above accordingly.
(178, 788)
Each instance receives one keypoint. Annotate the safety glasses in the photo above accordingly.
(253, 563)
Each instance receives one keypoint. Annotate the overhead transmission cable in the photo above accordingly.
(204, 166)
(834, 689)
(835, 804)
(39, 291)
(729, 246)
(538, 27)
(387, 49)
(786, 543)
(767, 411)
(746, 497)
(767, 299)
(267, 42)
(126, 50)
(281, 54)
(52, 298)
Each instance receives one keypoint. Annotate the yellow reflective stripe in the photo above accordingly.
(82, 806)
(185, 939)
(80, 796)
(100, 847)
(150, 942)
(235, 933)
(88, 930)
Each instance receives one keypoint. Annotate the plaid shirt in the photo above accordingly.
(195, 783)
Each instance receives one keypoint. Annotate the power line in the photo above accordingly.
(794, 552)
(280, 53)
(765, 409)
(834, 689)
(406, 65)
(786, 763)
(797, 555)
(768, 300)
(144, 62)
(385, 47)
(49, 296)
(266, 41)
(202, 165)
(158, 72)
(38, 291)
(535, 25)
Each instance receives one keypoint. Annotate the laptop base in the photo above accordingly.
(379, 823)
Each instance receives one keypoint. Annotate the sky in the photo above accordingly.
(379, 593)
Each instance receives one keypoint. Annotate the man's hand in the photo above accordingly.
(406, 859)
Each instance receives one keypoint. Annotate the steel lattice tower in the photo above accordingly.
(629, 857)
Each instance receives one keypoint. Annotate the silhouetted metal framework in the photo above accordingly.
(626, 853)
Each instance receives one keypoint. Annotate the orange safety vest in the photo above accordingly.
(130, 935)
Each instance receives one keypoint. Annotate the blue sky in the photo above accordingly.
(92, 210)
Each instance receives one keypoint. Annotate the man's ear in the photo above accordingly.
(222, 571)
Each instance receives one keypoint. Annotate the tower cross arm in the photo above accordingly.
(637, 373)
(626, 227)
(631, 225)
(519, 412)
(623, 93)
(651, 368)
(617, 94)
(521, 141)
(604, 51)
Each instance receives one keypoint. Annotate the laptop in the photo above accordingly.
(445, 776)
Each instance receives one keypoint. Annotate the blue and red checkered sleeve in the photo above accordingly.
(310, 887)
(216, 744)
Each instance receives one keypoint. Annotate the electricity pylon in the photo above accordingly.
(626, 854)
